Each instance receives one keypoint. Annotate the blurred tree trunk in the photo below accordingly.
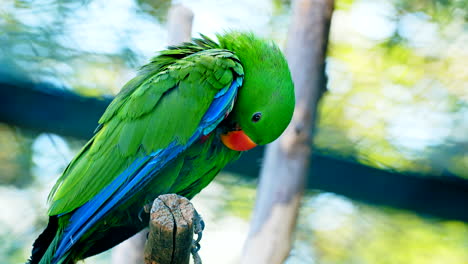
(180, 30)
(179, 24)
(286, 164)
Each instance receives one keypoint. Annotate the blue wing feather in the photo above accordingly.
(140, 172)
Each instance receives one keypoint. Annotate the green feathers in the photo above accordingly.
(164, 103)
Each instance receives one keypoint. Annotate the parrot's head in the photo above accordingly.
(265, 102)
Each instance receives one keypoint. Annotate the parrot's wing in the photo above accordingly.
(141, 132)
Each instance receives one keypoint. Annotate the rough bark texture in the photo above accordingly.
(286, 162)
(171, 231)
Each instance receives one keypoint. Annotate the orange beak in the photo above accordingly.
(237, 140)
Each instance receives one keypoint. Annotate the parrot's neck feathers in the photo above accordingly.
(176, 52)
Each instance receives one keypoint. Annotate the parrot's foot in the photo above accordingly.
(198, 227)
(146, 209)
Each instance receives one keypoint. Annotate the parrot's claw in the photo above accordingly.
(198, 227)
(146, 209)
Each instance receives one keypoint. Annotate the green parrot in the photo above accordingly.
(188, 113)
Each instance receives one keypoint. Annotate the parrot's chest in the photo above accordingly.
(193, 170)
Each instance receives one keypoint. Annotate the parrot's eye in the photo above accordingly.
(256, 117)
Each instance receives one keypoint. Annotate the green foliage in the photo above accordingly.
(15, 157)
(396, 103)
(239, 195)
(343, 232)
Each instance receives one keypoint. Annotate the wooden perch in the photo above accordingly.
(170, 230)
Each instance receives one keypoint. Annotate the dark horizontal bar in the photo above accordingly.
(43, 107)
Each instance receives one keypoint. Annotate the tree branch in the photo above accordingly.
(286, 164)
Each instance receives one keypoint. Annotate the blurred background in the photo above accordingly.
(394, 119)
